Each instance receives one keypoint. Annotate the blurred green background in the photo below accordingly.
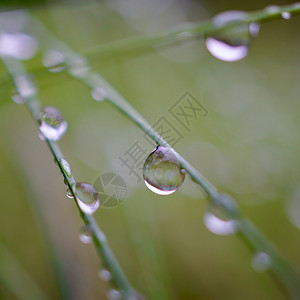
(248, 146)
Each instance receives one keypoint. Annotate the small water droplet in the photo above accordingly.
(114, 295)
(52, 124)
(286, 15)
(25, 86)
(41, 137)
(99, 93)
(79, 67)
(261, 262)
(85, 235)
(66, 167)
(254, 29)
(162, 173)
(87, 196)
(272, 8)
(17, 45)
(104, 275)
(17, 98)
(232, 44)
(69, 194)
(55, 61)
(218, 218)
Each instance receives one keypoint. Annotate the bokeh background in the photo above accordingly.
(248, 146)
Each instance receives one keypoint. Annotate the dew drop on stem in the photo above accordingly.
(162, 172)
(98, 93)
(219, 216)
(104, 275)
(55, 61)
(114, 295)
(69, 194)
(261, 262)
(85, 235)
(87, 197)
(232, 43)
(52, 124)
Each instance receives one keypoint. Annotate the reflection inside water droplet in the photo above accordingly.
(232, 44)
(52, 124)
(261, 262)
(85, 235)
(162, 173)
(87, 196)
(104, 275)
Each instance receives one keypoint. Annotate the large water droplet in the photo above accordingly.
(231, 44)
(162, 172)
(52, 124)
(261, 262)
(114, 295)
(55, 61)
(219, 216)
(87, 196)
(17, 45)
(85, 235)
(99, 93)
(104, 275)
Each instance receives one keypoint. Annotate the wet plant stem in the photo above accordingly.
(15, 69)
(187, 32)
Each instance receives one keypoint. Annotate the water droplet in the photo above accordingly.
(52, 124)
(219, 216)
(55, 61)
(99, 93)
(85, 235)
(17, 98)
(25, 86)
(41, 137)
(17, 45)
(254, 29)
(87, 196)
(162, 173)
(114, 295)
(79, 67)
(69, 194)
(232, 44)
(104, 275)
(66, 167)
(272, 8)
(261, 262)
(286, 15)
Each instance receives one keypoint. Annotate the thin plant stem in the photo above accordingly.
(15, 68)
(188, 31)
